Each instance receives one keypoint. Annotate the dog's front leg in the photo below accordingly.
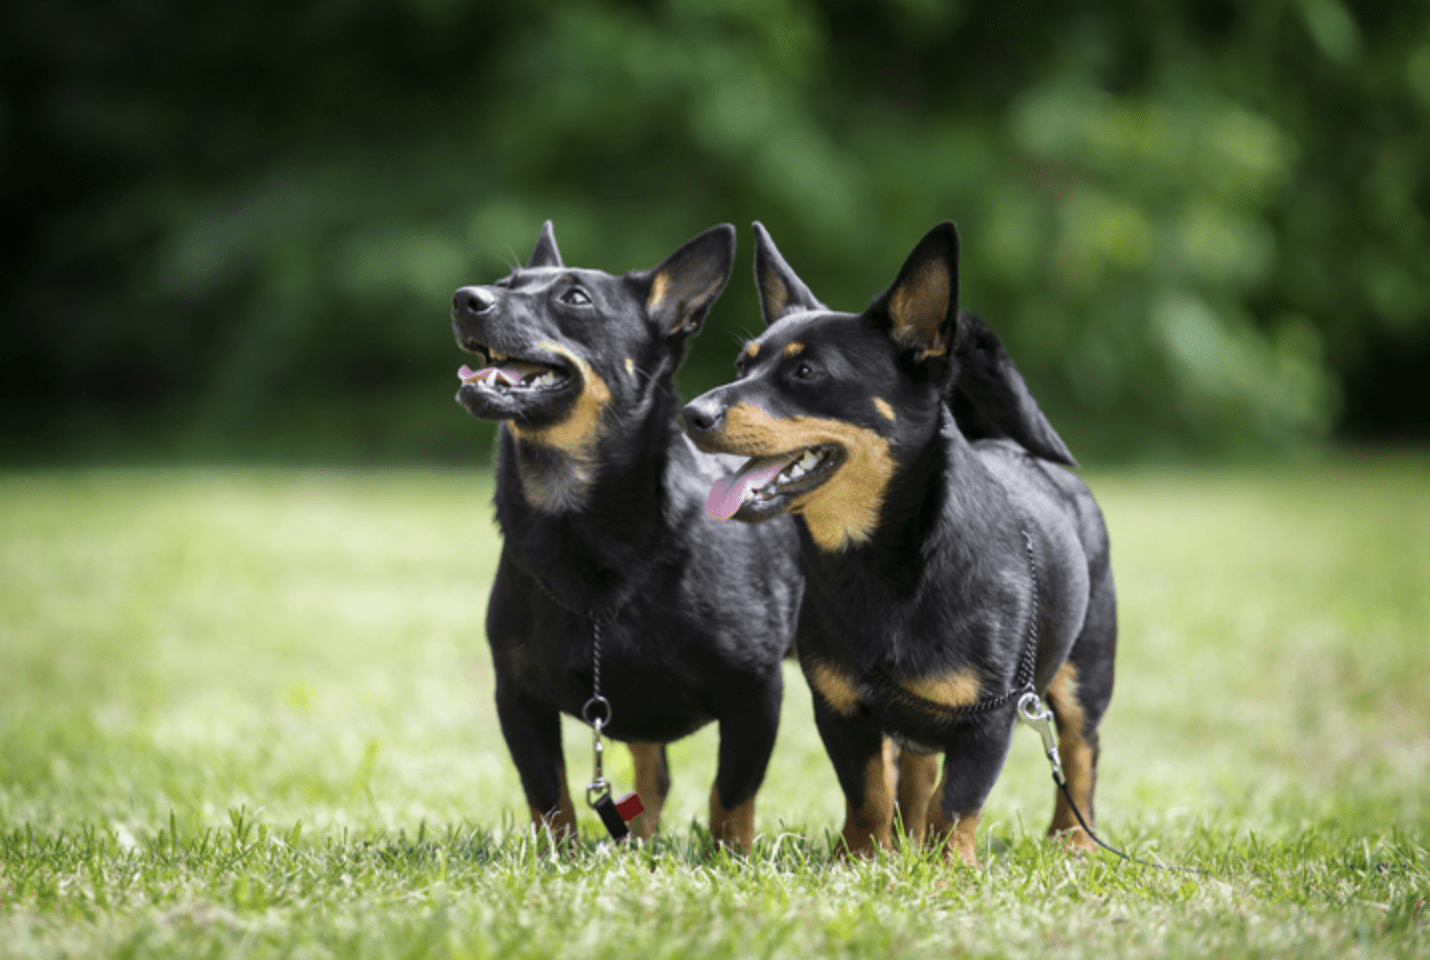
(972, 763)
(652, 783)
(747, 738)
(863, 761)
(533, 735)
(918, 779)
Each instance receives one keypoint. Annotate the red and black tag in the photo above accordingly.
(616, 814)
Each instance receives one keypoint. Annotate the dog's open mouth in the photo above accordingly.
(504, 373)
(534, 391)
(767, 486)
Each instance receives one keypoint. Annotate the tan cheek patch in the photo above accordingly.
(918, 308)
(883, 407)
(577, 434)
(843, 510)
(558, 489)
(837, 689)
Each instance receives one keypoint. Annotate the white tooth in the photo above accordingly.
(809, 459)
(797, 472)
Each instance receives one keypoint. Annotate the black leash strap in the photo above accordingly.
(1032, 712)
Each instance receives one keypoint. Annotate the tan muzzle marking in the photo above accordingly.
(577, 434)
(844, 509)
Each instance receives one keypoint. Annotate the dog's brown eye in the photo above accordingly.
(576, 297)
(805, 372)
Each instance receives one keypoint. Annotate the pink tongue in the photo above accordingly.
(727, 495)
(511, 375)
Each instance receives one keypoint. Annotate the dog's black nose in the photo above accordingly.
(701, 416)
(470, 300)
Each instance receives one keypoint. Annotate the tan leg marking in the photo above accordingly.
(652, 783)
(561, 823)
(868, 825)
(961, 839)
(843, 510)
(918, 776)
(837, 688)
(734, 827)
(956, 835)
(1079, 759)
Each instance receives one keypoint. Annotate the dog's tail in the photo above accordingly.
(990, 400)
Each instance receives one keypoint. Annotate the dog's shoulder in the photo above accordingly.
(1046, 493)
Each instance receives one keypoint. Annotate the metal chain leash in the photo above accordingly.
(597, 712)
(599, 785)
(1023, 678)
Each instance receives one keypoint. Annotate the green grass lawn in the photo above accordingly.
(249, 713)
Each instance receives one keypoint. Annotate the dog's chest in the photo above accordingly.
(651, 692)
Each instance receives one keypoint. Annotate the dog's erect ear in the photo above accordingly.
(920, 310)
(683, 288)
(545, 254)
(781, 291)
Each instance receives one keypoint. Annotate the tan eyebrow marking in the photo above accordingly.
(752, 349)
(793, 348)
(885, 409)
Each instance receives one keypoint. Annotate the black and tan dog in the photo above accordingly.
(600, 499)
(931, 508)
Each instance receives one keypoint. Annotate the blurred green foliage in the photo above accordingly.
(1198, 225)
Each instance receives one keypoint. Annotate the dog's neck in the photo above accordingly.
(924, 549)
(594, 523)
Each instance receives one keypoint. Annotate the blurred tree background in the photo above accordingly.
(233, 229)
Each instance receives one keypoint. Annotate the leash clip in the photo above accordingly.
(598, 792)
(1032, 712)
(599, 787)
